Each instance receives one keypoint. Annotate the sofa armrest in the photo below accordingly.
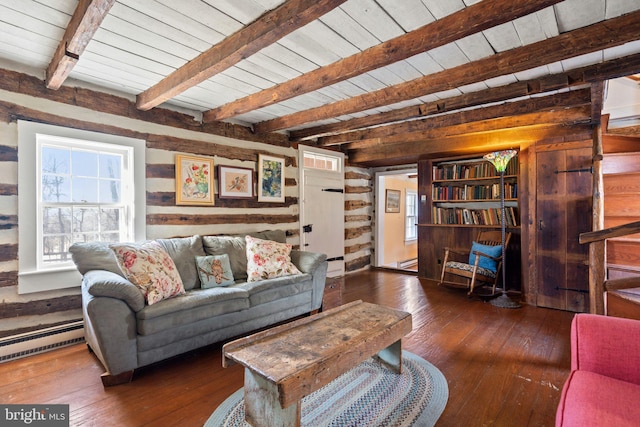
(307, 262)
(102, 283)
(315, 264)
(605, 345)
(111, 331)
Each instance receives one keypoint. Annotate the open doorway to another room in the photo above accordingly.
(396, 239)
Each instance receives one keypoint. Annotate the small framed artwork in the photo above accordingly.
(392, 201)
(270, 178)
(194, 180)
(235, 183)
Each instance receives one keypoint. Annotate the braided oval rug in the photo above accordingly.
(367, 395)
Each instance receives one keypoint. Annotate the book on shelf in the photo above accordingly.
(474, 192)
(463, 216)
(471, 170)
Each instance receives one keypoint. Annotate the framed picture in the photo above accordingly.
(235, 183)
(270, 178)
(194, 180)
(392, 201)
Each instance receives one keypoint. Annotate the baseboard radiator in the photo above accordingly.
(22, 345)
(407, 263)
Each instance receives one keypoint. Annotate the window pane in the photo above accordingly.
(86, 220)
(85, 237)
(85, 190)
(55, 248)
(56, 220)
(110, 237)
(84, 163)
(109, 191)
(55, 160)
(110, 220)
(56, 188)
(110, 166)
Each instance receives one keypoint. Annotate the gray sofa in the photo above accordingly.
(125, 333)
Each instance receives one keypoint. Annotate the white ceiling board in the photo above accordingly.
(619, 7)
(475, 46)
(529, 29)
(409, 14)
(572, 14)
(372, 17)
(439, 9)
(424, 63)
(340, 22)
(503, 37)
(209, 16)
(449, 56)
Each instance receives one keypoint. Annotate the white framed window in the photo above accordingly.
(315, 160)
(84, 194)
(411, 216)
(74, 186)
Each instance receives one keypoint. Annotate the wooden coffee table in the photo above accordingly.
(288, 362)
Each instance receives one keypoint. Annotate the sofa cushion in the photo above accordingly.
(193, 306)
(235, 246)
(232, 246)
(214, 270)
(148, 266)
(183, 251)
(267, 259)
(269, 290)
(89, 256)
(590, 399)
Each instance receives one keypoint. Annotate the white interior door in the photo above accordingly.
(322, 215)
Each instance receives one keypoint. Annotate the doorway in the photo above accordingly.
(396, 234)
(322, 205)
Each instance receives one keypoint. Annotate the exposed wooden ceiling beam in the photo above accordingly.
(470, 20)
(264, 31)
(543, 103)
(491, 139)
(590, 74)
(603, 35)
(84, 23)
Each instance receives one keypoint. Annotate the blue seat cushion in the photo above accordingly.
(484, 262)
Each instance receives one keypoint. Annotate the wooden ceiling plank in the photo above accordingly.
(603, 35)
(473, 19)
(266, 30)
(526, 106)
(611, 69)
(84, 23)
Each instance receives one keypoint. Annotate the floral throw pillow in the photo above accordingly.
(267, 259)
(150, 268)
(214, 270)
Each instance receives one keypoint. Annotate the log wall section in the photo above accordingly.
(167, 133)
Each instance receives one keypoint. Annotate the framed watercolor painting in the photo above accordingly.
(235, 183)
(194, 180)
(392, 201)
(270, 178)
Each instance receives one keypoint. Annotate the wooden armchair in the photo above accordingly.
(482, 264)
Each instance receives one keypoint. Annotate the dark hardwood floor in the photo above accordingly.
(504, 367)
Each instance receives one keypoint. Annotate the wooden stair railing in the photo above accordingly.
(597, 261)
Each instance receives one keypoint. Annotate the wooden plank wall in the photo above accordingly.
(166, 133)
(621, 176)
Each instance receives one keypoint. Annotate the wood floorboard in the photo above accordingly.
(504, 367)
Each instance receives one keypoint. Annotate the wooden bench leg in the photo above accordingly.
(109, 380)
(262, 404)
(391, 356)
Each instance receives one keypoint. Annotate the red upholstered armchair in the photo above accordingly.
(603, 388)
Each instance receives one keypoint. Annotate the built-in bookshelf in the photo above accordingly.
(467, 192)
